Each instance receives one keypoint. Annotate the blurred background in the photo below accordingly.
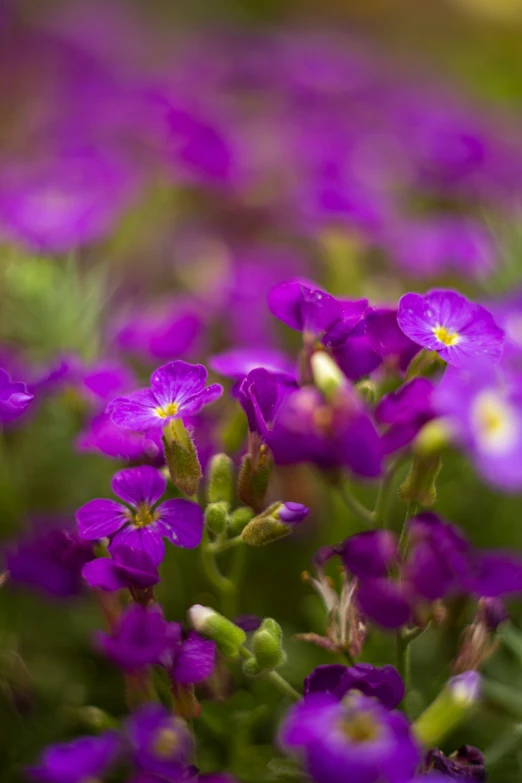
(162, 165)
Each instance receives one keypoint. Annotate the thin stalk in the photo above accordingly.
(355, 506)
(211, 570)
(221, 546)
(275, 678)
(230, 599)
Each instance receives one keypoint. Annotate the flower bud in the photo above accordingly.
(253, 479)
(433, 438)
(275, 522)
(216, 517)
(453, 704)
(181, 457)
(419, 485)
(220, 483)
(239, 519)
(326, 374)
(267, 645)
(227, 636)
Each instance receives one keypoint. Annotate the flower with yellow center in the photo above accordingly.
(444, 336)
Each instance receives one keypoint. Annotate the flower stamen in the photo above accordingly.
(444, 336)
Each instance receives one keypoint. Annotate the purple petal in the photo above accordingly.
(238, 362)
(370, 554)
(324, 679)
(147, 539)
(101, 574)
(181, 521)
(384, 602)
(177, 381)
(195, 660)
(284, 301)
(193, 405)
(137, 411)
(100, 518)
(141, 485)
(496, 574)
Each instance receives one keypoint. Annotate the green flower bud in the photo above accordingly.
(419, 485)
(326, 373)
(253, 479)
(181, 457)
(216, 517)
(220, 483)
(433, 438)
(239, 518)
(267, 645)
(277, 521)
(453, 704)
(228, 637)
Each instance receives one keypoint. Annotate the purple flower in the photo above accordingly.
(177, 390)
(128, 567)
(405, 411)
(462, 333)
(237, 363)
(382, 682)
(292, 513)
(171, 333)
(467, 763)
(188, 660)
(484, 415)
(160, 743)
(353, 739)
(82, 759)
(102, 435)
(142, 524)
(14, 397)
(388, 340)
(260, 395)
(51, 560)
(137, 640)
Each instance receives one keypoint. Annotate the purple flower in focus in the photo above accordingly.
(382, 682)
(260, 395)
(177, 390)
(462, 333)
(160, 743)
(14, 397)
(142, 524)
(188, 660)
(102, 435)
(82, 759)
(138, 638)
(353, 739)
(405, 411)
(484, 415)
(127, 567)
(51, 560)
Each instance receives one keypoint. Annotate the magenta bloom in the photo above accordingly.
(354, 739)
(85, 758)
(161, 745)
(138, 639)
(381, 682)
(405, 411)
(237, 363)
(188, 660)
(128, 567)
(177, 390)
(102, 435)
(142, 524)
(462, 333)
(14, 397)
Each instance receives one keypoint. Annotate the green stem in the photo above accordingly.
(411, 510)
(210, 568)
(403, 659)
(280, 683)
(355, 506)
(230, 599)
(221, 546)
(383, 494)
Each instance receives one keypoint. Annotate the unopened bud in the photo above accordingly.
(253, 479)
(267, 645)
(181, 457)
(326, 374)
(419, 485)
(453, 704)
(433, 438)
(220, 483)
(227, 636)
(216, 516)
(277, 521)
(239, 519)
(366, 389)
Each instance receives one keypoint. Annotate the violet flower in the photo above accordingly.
(237, 363)
(82, 759)
(467, 763)
(177, 391)
(142, 524)
(50, 560)
(14, 397)
(353, 739)
(405, 411)
(127, 567)
(381, 682)
(483, 413)
(388, 340)
(138, 638)
(160, 744)
(462, 333)
(188, 660)
(102, 435)
(174, 332)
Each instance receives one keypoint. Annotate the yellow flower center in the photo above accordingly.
(169, 410)
(495, 422)
(444, 336)
(144, 516)
(166, 742)
(360, 728)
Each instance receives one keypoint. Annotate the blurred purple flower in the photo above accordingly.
(85, 758)
(405, 411)
(467, 763)
(160, 744)
(142, 524)
(381, 682)
(127, 567)
(462, 333)
(102, 435)
(188, 660)
(177, 390)
(14, 397)
(356, 738)
(237, 363)
(138, 638)
(163, 335)
(388, 340)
